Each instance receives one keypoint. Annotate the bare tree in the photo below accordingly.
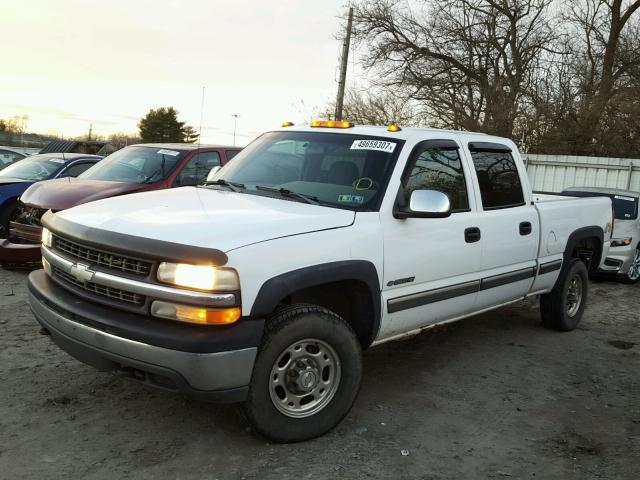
(376, 107)
(469, 62)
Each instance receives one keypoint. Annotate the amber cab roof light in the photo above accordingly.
(331, 124)
(287, 124)
(393, 128)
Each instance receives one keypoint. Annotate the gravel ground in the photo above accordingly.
(494, 396)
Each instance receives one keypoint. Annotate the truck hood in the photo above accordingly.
(63, 193)
(207, 218)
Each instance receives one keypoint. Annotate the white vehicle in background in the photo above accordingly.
(313, 244)
(623, 260)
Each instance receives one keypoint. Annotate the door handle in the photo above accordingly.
(525, 228)
(472, 235)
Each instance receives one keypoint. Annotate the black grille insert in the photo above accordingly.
(112, 261)
(109, 292)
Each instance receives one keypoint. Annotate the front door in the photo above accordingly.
(431, 265)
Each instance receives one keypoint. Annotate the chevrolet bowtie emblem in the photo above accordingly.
(82, 273)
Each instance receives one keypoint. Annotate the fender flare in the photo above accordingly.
(581, 234)
(281, 286)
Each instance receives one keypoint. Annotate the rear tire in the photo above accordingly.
(562, 308)
(306, 375)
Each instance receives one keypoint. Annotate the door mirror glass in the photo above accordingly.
(427, 204)
(212, 173)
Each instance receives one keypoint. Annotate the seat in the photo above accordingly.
(343, 173)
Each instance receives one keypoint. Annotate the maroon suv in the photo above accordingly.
(137, 168)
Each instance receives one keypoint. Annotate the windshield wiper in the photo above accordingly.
(285, 192)
(234, 186)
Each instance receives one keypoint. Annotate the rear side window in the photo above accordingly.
(438, 169)
(231, 153)
(498, 178)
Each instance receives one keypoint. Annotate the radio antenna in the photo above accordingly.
(201, 113)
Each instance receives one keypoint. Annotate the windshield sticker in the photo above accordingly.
(351, 198)
(56, 160)
(628, 199)
(173, 153)
(379, 145)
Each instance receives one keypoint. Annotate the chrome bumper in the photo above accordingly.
(202, 371)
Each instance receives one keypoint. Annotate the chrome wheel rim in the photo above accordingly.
(304, 378)
(634, 268)
(574, 295)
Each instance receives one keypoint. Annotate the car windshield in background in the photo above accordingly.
(625, 208)
(34, 168)
(333, 169)
(135, 165)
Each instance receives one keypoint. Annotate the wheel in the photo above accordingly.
(633, 275)
(562, 308)
(306, 376)
(8, 214)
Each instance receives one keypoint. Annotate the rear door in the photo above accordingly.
(431, 265)
(509, 224)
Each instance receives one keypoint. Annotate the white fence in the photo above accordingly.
(553, 173)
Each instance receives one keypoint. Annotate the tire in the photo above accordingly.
(633, 275)
(322, 376)
(562, 308)
(7, 215)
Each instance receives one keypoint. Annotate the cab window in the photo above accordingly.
(438, 169)
(498, 178)
(196, 170)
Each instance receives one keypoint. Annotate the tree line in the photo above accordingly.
(559, 77)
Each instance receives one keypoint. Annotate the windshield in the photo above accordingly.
(135, 165)
(341, 170)
(34, 168)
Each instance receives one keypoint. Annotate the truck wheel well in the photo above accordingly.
(589, 250)
(350, 299)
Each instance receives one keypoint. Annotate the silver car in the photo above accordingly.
(623, 259)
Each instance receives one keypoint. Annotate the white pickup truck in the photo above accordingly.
(315, 243)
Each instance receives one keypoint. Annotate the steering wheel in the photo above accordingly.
(364, 183)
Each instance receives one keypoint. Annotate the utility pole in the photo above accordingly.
(90, 131)
(343, 67)
(235, 124)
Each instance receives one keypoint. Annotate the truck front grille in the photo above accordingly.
(108, 292)
(112, 261)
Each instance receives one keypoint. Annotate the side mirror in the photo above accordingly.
(425, 204)
(212, 173)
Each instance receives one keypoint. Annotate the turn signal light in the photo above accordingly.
(331, 124)
(186, 313)
(393, 128)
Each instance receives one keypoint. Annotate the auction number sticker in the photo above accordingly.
(379, 145)
(56, 160)
(173, 153)
(628, 199)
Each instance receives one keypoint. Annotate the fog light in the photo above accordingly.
(187, 313)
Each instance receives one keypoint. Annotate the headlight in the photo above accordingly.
(200, 277)
(46, 237)
(620, 242)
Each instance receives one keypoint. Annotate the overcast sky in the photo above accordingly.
(70, 63)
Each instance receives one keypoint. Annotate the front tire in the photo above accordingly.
(562, 308)
(306, 376)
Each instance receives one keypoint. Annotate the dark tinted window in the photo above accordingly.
(77, 169)
(499, 181)
(197, 169)
(232, 153)
(441, 170)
